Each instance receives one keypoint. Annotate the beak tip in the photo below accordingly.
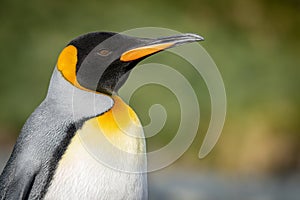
(195, 36)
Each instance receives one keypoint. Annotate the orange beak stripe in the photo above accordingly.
(140, 52)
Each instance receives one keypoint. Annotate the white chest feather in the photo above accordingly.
(80, 174)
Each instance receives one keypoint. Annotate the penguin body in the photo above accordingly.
(55, 156)
(81, 181)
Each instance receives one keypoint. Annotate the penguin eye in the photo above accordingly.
(104, 52)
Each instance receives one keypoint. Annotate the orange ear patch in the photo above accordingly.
(66, 64)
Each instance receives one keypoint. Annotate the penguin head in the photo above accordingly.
(101, 61)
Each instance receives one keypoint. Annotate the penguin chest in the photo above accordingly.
(102, 160)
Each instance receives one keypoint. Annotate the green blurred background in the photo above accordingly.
(255, 44)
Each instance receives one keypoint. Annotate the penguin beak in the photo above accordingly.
(159, 44)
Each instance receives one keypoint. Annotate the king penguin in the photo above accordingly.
(50, 159)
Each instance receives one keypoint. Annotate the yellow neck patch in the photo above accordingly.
(120, 116)
(121, 126)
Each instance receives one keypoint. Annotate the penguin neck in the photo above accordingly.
(122, 134)
(81, 104)
(59, 88)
